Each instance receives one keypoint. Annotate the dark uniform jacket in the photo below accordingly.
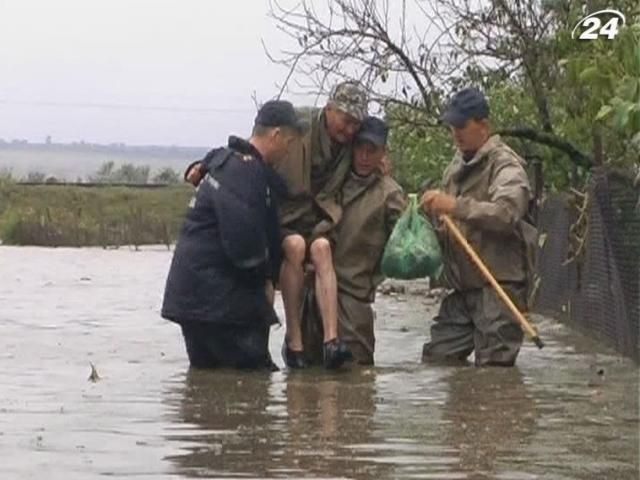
(229, 245)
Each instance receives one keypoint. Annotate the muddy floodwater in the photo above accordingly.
(569, 411)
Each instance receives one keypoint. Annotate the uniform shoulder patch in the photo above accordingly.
(245, 157)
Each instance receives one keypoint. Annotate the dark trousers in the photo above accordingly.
(227, 346)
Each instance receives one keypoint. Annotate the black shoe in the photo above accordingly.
(270, 365)
(293, 359)
(336, 353)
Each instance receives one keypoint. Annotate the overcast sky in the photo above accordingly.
(165, 72)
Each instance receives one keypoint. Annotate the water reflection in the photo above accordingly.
(451, 423)
(263, 425)
(328, 417)
(224, 424)
(323, 425)
(490, 418)
(398, 420)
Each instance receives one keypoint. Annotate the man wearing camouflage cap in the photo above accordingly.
(486, 191)
(315, 171)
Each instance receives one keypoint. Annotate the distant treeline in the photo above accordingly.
(107, 174)
(115, 148)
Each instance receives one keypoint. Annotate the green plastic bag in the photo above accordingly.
(413, 250)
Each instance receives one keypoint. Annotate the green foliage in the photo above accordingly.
(6, 175)
(622, 110)
(167, 176)
(590, 89)
(126, 173)
(84, 216)
(420, 154)
(9, 228)
(597, 92)
(36, 177)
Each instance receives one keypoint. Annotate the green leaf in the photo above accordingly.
(628, 89)
(617, 102)
(634, 119)
(604, 112)
(621, 116)
(589, 74)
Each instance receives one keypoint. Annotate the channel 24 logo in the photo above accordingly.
(603, 23)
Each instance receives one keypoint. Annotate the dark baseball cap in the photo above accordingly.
(280, 113)
(465, 105)
(373, 130)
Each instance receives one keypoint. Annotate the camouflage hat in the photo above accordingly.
(350, 98)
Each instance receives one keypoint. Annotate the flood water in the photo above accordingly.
(148, 417)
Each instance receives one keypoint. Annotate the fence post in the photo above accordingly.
(538, 184)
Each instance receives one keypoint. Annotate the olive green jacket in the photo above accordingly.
(493, 195)
(314, 176)
(371, 207)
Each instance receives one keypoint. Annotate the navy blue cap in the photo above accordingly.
(465, 105)
(280, 113)
(373, 130)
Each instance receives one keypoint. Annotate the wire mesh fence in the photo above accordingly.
(589, 260)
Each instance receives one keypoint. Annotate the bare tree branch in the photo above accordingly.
(410, 55)
(550, 140)
(349, 36)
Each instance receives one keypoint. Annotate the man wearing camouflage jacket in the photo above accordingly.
(486, 191)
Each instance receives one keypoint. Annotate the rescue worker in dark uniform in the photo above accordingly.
(228, 252)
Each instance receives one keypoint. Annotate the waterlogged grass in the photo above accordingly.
(54, 215)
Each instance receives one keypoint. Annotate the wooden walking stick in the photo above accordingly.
(521, 319)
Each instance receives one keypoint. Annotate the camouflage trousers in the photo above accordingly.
(476, 320)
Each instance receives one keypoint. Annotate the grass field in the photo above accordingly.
(51, 215)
